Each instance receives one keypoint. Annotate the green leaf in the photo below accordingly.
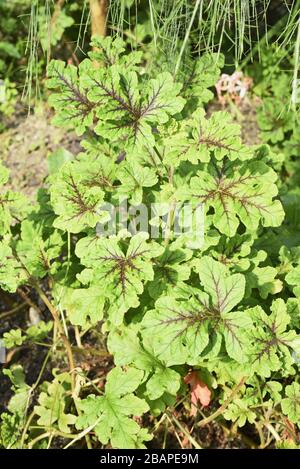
(239, 412)
(291, 403)
(9, 49)
(133, 178)
(181, 329)
(73, 108)
(13, 338)
(203, 74)
(77, 204)
(120, 383)
(163, 380)
(127, 109)
(236, 252)
(273, 344)
(10, 430)
(20, 400)
(273, 120)
(226, 291)
(57, 159)
(273, 388)
(11, 272)
(293, 308)
(237, 192)
(263, 278)
(200, 139)
(109, 51)
(38, 254)
(52, 405)
(16, 376)
(124, 266)
(84, 306)
(293, 278)
(170, 269)
(13, 205)
(39, 331)
(110, 413)
(129, 350)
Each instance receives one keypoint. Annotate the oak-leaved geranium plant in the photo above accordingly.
(169, 303)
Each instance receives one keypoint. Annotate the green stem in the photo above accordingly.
(83, 433)
(26, 428)
(296, 85)
(186, 37)
(225, 404)
(171, 215)
(186, 434)
(60, 328)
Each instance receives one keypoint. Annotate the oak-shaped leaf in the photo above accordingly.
(123, 266)
(12, 273)
(170, 269)
(240, 412)
(72, 106)
(202, 74)
(21, 390)
(201, 138)
(84, 306)
(236, 253)
(237, 193)
(291, 403)
(293, 279)
(182, 328)
(112, 413)
(133, 178)
(108, 51)
(273, 343)
(13, 205)
(127, 110)
(38, 253)
(53, 403)
(128, 349)
(77, 203)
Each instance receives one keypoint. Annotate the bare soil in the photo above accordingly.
(25, 146)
